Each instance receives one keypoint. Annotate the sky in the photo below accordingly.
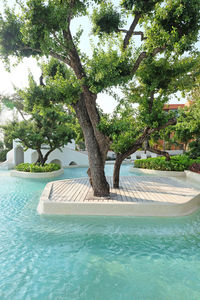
(18, 76)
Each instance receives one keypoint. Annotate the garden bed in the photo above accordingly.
(27, 170)
(37, 175)
(177, 163)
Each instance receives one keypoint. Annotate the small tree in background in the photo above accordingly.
(45, 127)
(187, 129)
(1, 145)
(45, 122)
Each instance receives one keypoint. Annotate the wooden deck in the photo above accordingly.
(133, 190)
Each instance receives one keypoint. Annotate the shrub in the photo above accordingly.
(3, 154)
(194, 149)
(1, 145)
(26, 167)
(177, 163)
(195, 167)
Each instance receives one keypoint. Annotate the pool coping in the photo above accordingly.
(187, 174)
(16, 173)
(158, 172)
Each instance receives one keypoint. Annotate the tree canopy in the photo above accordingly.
(47, 122)
(166, 29)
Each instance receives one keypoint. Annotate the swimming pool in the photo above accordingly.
(92, 258)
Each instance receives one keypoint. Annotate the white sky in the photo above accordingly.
(19, 75)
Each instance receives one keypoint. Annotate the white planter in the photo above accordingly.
(158, 173)
(16, 173)
(193, 176)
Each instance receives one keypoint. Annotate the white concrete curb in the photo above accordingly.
(16, 173)
(157, 172)
(192, 175)
(120, 209)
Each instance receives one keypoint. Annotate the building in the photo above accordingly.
(166, 145)
(67, 156)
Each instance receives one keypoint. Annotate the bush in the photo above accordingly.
(195, 167)
(194, 149)
(26, 167)
(177, 163)
(3, 155)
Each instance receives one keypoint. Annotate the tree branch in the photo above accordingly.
(60, 43)
(60, 57)
(171, 121)
(140, 33)
(134, 33)
(146, 133)
(144, 55)
(122, 30)
(131, 30)
(140, 58)
(159, 152)
(151, 101)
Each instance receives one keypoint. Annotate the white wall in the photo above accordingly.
(151, 154)
(66, 156)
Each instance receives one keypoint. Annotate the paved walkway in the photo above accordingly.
(76, 194)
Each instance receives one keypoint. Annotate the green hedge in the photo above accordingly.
(177, 163)
(26, 167)
(3, 155)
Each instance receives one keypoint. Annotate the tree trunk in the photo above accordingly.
(119, 160)
(96, 158)
(120, 157)
(46, 156)
(40, 157)
(116, 171)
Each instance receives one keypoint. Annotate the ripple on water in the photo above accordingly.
(92, 257)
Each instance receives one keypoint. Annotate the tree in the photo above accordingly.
(47, 123)
(131, 128)
(187, 129)
(7, 134)
(1, 145)
(14, 102)
(44, 28)
(46, 127)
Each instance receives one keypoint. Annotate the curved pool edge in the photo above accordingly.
(20, 174)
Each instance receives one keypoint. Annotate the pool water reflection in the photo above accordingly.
(83, 258)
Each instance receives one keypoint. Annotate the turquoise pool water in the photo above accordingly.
(92, 258)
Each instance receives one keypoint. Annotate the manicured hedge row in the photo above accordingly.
(177, 163)
(26, 167)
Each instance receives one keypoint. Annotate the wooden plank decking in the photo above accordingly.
(75, 195)
(132, 189)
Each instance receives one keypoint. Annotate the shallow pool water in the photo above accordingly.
(92, 258)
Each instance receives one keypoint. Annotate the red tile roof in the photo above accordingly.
(173, 106)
